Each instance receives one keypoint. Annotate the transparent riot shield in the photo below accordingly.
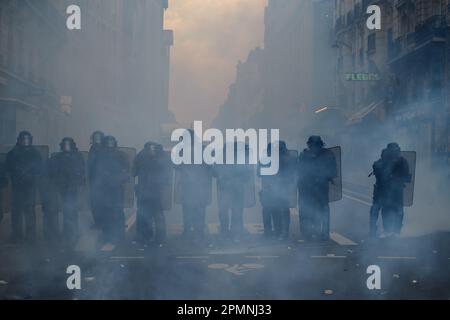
(193, 184)
(335, 186)
(83, 193)
(291, 178)
(167, 189)
(177, 190)
(45, 154)
(236, 182)
(236, 185)
(130, 155)
(249, 187)
(408, 191)
(5, 148)
(43, 150)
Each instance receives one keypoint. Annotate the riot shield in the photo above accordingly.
(83, 193)
(236, 182)
(130, 155)
(291, 178)
(408, 191)
(193, 184)
(6, 148)
(236, 185)
(43, 150)
(177, 192)
(167, 189)
(335, 186)
(249, 187)
(45, 154)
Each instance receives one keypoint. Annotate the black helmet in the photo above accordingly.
(315, 141)
(25, 138)
(97, 137)
(281, 147)
(153, 147)
(109, 142)
(67, 144)
(393, 150)
(393, 146)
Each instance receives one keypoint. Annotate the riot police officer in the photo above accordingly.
(68, 175)
(378, 189)
(24, 166)
(397, 172)
(112, 173)
(153, 169)
(231, 183)
(193, 192)
(49, 197)
(275, 197)
(317, 168)
(94, 186)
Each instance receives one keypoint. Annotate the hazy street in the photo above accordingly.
(411, 268)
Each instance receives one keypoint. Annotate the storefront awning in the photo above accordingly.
(359, 116)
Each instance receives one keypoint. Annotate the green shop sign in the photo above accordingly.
(349, 76)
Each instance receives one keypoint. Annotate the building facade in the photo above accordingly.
(244, 98)
(294, 73)
(406, 65)
(111, 75)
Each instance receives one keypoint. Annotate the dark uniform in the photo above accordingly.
(68, 175)
(49, 197)
(317, 168)
(397, 175)
(153, 169)
(112, 172)
(193, 191)
(275, 199)
(231, 183)
(94, 185)
(195, 186)
(378, 188)
(24, 166)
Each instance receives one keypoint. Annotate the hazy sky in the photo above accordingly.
(210, 37)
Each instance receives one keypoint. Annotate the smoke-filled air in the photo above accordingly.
(224, 149)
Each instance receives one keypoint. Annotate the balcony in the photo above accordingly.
(434, 27)
(402, 3)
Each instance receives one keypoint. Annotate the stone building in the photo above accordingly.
(111, 75)
(295, 70)
(406, 65)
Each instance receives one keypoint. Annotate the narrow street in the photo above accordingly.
(254, 268)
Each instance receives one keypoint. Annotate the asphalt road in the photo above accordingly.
(254, 268)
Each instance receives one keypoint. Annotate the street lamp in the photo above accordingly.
(326, 108)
